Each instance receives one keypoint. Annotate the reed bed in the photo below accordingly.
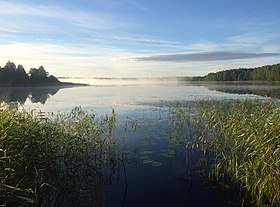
(244, 137)
(65, 159)
(54, 159)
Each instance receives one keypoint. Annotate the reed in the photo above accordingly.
(49, 159)
(245, 138)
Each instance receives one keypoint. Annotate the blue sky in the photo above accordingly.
(132, 38)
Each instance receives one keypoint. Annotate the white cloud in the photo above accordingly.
(76, 42)
(84, 19)
(146, 40)
(78, 60)
(66, 60)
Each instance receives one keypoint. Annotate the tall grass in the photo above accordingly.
(52, 159)
(67, 159)
(245, 138)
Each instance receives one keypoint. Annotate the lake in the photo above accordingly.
(128, 94)
(157, 171)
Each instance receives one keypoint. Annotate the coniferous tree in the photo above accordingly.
(264, 73)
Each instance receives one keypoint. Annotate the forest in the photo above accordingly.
(12, 75)
(270, 73)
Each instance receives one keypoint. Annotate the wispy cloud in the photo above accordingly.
(249, 39)
(204, 56)
(137, 5)
(88, 60)
(80, 18)
(121, 4)
(64, 60)
(202, 46)
(252, 39)
(145, 40)
(252, 42)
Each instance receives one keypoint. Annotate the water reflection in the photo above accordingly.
(161, 171)
(21, 94)
(272, 91)
(106, 97)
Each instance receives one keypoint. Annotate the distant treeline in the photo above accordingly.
(12, 75)
(264, 73)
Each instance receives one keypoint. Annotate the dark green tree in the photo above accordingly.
(10, 75)
(9, 72)
(21, 76)
(264, 73)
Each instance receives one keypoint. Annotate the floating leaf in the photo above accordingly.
(156, 164)
(148, 161)
(144, 157)
(168, 154)
(146, 152)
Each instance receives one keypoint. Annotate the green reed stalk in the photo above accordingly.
(246, 138)
(46, 159)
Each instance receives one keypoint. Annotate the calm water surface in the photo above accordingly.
(157, 172)
(127, 95)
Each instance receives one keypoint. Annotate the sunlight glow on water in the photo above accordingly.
(128, 95)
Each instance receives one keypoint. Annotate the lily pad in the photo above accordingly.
(144, 157)
(146, 152)
(148, 161)
(156, 164)
(168, 155)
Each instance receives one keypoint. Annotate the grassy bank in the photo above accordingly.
(245, 139)
(46, 159)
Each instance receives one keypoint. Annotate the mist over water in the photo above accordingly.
(121, 81)
(125, 94)
(128, 94)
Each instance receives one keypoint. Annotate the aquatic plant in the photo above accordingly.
(53, 159)
(244, 137)
(156, 164)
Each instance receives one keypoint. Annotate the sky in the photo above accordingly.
(139, 38)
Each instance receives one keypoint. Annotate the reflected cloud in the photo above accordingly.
(204, 56)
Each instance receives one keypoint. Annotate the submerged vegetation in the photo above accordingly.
(50, 160)
(243, 137)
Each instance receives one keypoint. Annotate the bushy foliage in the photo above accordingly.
(10, 75)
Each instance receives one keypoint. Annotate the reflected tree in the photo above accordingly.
(20, 94)
(272, 91)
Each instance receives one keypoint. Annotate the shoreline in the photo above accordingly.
(61, 84)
